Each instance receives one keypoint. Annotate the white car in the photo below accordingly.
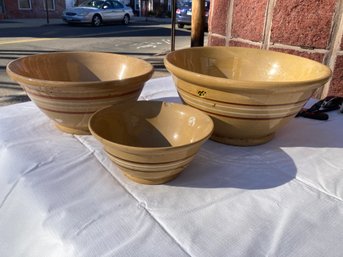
(98, 12)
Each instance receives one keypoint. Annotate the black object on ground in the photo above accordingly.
(317, 115)
(317, 111)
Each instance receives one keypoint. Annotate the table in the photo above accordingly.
(60, 195)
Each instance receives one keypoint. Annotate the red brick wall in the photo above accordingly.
(309, 28)
(37, 10)
(248, 19)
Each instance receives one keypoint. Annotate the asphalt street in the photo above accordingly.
(145, 38)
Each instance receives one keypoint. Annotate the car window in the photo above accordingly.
(92, 3)
(189, 5)
(117, 5)
(108, 5)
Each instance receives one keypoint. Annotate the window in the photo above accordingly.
(1, 7)
(51, 4)
(107, 5)
(96, 4)
(117, 5)
(24, 4)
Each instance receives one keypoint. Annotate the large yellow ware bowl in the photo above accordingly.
(249, 93)
(70, 86)
(152, 142)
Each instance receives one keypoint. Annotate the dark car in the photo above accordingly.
(184, 14)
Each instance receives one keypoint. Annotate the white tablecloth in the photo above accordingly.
(60, 195)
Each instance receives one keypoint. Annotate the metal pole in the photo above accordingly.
(47, 11)
(173, 11)
(198, 22)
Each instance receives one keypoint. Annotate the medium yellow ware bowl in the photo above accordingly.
(249, 93)
(151, 141)
(70, 86)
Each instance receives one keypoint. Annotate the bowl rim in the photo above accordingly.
(144, 149)
(42, 82)
(222, 83)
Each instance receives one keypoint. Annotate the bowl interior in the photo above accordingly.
(247, 64)
(79, 67)
(151, 124)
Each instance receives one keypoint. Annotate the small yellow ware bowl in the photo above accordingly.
(249, 93)
(151, 141)
(70, 86)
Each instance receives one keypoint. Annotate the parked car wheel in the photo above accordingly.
(126, 19)
(96, 20)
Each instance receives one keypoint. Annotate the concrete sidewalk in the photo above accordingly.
(37, 22)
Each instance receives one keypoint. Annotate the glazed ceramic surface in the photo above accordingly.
(70, 86)
(249, 93)
(151, 141)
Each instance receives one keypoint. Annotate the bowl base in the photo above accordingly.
(243, 141)
(151, 181)
(72, 130)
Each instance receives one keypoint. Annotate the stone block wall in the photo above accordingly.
(308, 28)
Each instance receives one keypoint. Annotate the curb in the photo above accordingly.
(152, 19)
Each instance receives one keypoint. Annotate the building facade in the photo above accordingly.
(18, 9)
